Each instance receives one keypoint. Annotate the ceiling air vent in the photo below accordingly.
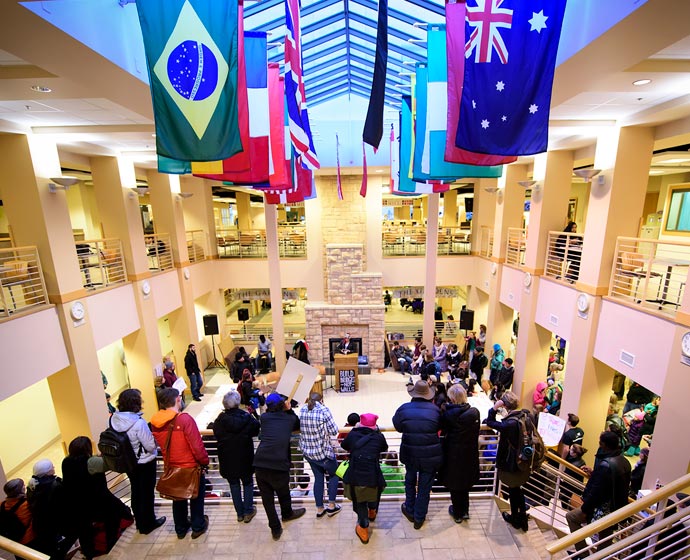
(627, 358)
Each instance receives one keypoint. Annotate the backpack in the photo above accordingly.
(531, 451)
(116, 450)
(10, 525)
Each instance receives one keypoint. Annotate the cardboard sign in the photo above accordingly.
(551, 429)
(347, 381)
(291, 384)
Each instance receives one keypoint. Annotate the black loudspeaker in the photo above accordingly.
(243, 314)
(469, 204)
(210, 324)
(467, 319)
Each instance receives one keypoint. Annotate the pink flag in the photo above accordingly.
(363, 188)
(455, 47)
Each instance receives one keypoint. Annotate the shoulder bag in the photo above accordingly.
(177, 483)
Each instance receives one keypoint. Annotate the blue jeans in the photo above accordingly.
(417, 489)
(320, 468)
(405, 363)
(195, 384)
(196, 511)
(242, 506)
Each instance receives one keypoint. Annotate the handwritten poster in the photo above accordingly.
(550, 429)
(347, 381)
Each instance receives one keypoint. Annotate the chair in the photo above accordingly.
(391, 243)
(443, 239)
(297, 242)
(632, 267)
(247, 243)
(418, 241)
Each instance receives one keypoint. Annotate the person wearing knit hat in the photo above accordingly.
(419, 422)
(496, 363)
(363, 479)
(43, 467)
(49, 505)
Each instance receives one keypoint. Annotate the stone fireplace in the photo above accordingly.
(354, 306)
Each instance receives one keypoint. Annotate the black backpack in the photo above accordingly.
(116, 450)
(531, 451)
(10, 525)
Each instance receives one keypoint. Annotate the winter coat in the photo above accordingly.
(505, 377)
(506, 458)
(365, 446)
(609, 483)
(139, 434)
(635, 432)
(186, 446)
(439, 354)
(235, 429)
(460, 426)
(48, 504)
(169, 378)
(419, 422)
(479, 362)
(274, 447)
(191, 364)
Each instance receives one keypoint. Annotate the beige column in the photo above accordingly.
(615, 208)
(167, 208)
(549, 207)
(244, 218)
(450, 208)
(483, 210)
(37, 216)
(373, 246)
(510, 201)
(499, 321)
(402, 212)
(119, 211)
(417, 213)
(430, 263)
(275, 286)
(198, 211)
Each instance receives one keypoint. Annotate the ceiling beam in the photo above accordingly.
(391, 47)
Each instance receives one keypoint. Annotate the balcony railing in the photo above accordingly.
(21, 280)
(159, 252)
(292, 241)
(650, 273)
(453, 241)
(486, 241)
(101, 263)
(196, 245)
(233, 243)
(515, 247)
(563, 255)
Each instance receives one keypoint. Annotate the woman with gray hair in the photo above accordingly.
(235, 429)
(460, 471)
(507, 455)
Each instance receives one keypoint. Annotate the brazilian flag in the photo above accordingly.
(191, 53)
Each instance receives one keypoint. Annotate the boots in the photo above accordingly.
(362, 533)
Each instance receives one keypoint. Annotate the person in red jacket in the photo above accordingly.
(186, 450)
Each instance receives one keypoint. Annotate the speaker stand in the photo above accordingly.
(214, 362)
(326, 385)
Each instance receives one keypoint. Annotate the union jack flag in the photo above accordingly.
(486, 20)
(300, 131)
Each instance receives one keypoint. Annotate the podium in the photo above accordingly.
(346, 371)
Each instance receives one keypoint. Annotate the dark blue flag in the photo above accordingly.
(510, 51)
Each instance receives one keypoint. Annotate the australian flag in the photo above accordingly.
(510, 52)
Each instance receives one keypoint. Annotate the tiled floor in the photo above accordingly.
(486, 535)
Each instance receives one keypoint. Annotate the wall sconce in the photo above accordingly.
(589, 174)
(61, 183)
(533, 185)
(140, 191)
(183, 195)
(491, 190)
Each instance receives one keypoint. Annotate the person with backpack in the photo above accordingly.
(15, 515)
(142, 475)
(509, 448)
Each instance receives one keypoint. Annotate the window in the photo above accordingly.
(678, 212)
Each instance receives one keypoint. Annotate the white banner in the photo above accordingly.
(551, 429)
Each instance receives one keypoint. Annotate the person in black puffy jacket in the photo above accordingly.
(364, 479)
(235, 429)
(419, 421)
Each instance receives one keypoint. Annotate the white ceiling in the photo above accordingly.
(97, 108)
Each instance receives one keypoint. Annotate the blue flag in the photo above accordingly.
(510, 51)
(191, 52)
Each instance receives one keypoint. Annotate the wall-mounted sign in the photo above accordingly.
(398, 201)
(262, 294)
(418, 292)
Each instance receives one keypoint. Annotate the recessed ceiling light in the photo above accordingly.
(41, 89)
(642, 82)
(379, 171)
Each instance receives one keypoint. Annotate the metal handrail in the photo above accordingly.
(635, 509)
(563, 255)
(22, 275)
(101, 263)
(20, 550)
(486, 241)
(159, 252)
(515, 246)
(196, 245)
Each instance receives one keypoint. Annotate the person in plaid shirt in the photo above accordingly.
(317, 430)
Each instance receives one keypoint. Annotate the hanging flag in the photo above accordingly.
(191, 53)
(300, 131)
(510, 55)
(301, 185)
(395, 161)
(363, 187)
(454, 51)
(373, 125)
(338, 180)
(278, 170)
(256, 72)
(430, 129)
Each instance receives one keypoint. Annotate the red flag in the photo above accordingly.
(363, 188)
(301, 187)
(278, 174)
(455, 47)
